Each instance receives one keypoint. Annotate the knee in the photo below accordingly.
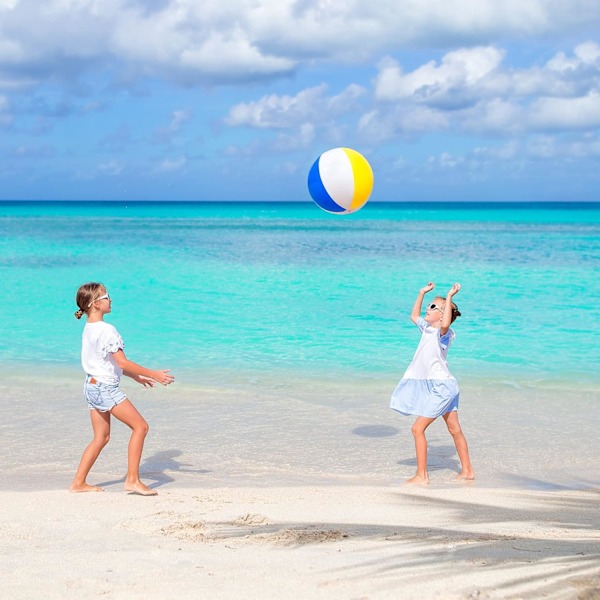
(417, 430)
(454, 429)
(102, 440)
(142, 428)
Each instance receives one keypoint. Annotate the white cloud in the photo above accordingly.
(499, 116)
(588, 53)
(275, 111)
(8, 4)
(505, 151)
(470, 75)
(450, 161)
(302, 138)
(384, 124)
(282, 111)
(112, 168)
(172, 164)
(461, 70)
(538, 147)
(566, 113)
(178, 119)
(6, 118)
(472, 91)
(238, 41)
(478, 86)
(585, 54)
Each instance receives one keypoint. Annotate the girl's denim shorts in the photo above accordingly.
(102, 396)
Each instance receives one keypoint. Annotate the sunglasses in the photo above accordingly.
(434, 306)
(105, 297)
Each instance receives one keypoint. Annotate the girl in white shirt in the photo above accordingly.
(104, 362)
(428, 390)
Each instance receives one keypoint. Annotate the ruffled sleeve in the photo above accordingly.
(111, 342)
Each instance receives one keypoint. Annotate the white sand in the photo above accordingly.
(273, 490)
(301, 542)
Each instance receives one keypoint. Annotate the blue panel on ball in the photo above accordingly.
(319, 193)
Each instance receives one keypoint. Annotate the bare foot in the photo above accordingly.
(86, 487)
(465, 476)
(418, 480)
(140, 488)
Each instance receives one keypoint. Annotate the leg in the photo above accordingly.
(418, 431)
(460, 442)
(127, 413)
(101, 427)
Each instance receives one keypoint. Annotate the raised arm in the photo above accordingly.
(416, 311)
(132, 369)
(447, 316)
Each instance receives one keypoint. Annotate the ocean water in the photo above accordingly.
(288, 328)
(287, 288)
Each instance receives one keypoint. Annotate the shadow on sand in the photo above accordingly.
(155, 467)
(556, 557)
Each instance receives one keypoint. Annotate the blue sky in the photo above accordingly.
(484, 100)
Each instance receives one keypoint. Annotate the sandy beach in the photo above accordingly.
(305, 502)
(301, 542)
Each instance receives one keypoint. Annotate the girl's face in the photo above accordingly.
(434, 312)
(102, 303)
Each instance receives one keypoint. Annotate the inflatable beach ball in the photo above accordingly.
(340, 181)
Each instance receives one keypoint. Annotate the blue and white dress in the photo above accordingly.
(428, 389)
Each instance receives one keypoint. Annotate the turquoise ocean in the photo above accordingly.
(288, 288)
(302, 303)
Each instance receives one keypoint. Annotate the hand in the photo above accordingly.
(143, 380)
(454, 290)
(163, 377)
(427, 288)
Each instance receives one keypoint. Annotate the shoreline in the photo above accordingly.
(25, 373)
(309, 542)
(335, 433)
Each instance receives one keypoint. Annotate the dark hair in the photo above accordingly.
(86, 294)
(455, 312)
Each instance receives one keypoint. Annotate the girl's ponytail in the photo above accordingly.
(455, 312)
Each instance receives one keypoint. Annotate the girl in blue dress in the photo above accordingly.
(428, 389)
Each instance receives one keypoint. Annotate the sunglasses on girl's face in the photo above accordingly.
(105, 297)
(434, 306)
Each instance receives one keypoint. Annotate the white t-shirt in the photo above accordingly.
(98, 341)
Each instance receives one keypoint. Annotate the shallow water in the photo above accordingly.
(265, 432)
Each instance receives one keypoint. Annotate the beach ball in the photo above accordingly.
(340, 181)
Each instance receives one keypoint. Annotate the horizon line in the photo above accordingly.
(298, 202)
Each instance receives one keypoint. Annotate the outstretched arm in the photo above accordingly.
(141, 379)
(416, 311)
(447, 316)
(137, 372)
